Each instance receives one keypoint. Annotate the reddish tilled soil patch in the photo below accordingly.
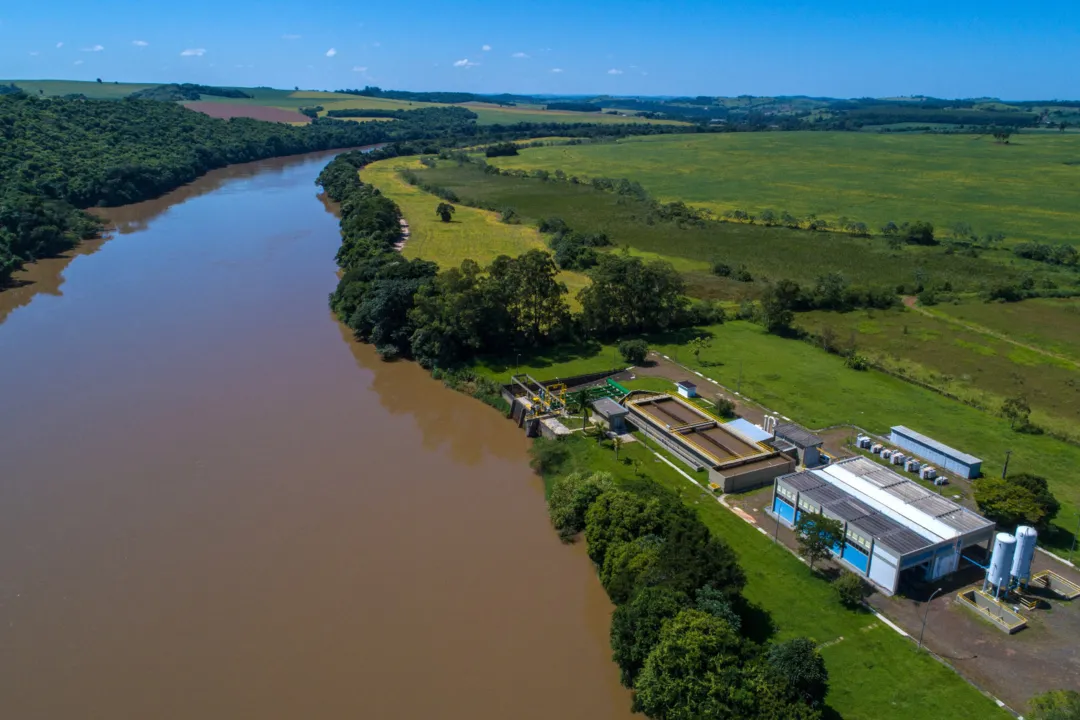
(257, 112)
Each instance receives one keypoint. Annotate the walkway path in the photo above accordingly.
(399, 246)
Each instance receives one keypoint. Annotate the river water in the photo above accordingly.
(215, 504)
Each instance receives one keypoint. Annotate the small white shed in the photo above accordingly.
(686, 388)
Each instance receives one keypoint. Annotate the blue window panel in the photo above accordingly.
(856, 557)
(781, 508)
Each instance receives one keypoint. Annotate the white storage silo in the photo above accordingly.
(997, 575)
(1025, 551)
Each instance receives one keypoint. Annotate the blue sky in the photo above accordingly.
(838, 48)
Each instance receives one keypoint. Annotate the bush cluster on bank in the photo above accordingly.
(679, 633)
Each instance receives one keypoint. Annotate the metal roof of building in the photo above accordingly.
(903, 499)
(748, 430)
(840, 503)
(935, 445)
(798, 435)
(686, 384)
(609, 408)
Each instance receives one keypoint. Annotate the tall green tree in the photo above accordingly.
(818, 536)
(1021, 499)
(445, 211)
(628, 295)
(801, 666)
(695, 671)
(635, 627)
(618, 516)
(527, 286)
(570, 498)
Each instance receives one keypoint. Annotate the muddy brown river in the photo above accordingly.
(215, 504)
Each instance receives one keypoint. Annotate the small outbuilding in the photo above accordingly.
(610, 414)
(686, 388)
(807, 444)
(953, 460)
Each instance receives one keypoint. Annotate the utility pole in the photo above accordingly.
(918, 649)
(1005, 468)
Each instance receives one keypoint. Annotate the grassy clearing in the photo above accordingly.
(473, 235)
(815, 389)
(767, 252)
(874, 673)
(1050, 324)
(965, 363)
(495, 114)
(1023, 189)
(92, 90)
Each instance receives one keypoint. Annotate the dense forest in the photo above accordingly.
(685, 639)
(60, 155)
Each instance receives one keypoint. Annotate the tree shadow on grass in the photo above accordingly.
(544, 357)
(757, 625)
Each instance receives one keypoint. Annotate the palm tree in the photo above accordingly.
(581, 400)
(616, 442)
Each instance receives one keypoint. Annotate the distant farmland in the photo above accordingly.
(1026, 189)
(226, 110)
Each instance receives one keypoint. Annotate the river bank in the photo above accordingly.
(217, 504)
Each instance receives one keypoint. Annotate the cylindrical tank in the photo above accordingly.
(1001, 561)
(1025, 551)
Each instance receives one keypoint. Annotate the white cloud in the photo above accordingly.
(94, 48)
(59, 45)
(290, 37)
(614, 71)
(139, 43)
(359, 68)
(486, 48)
(519, 55)
(556, 70)
(465, 63)
(193, 52)
(376, 44)
(78, 62)
(331, 52)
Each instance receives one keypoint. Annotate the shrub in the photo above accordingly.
(851, 589)
(1056, 705)
(857, 362)
(634, 351)
(1020, 499)
(725, 407)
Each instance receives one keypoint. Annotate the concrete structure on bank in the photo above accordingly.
(893, 526)
(610, 414)
(734, 461)
(955, 461)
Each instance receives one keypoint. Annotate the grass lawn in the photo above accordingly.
(977, 367)
(1023, 189)
(816, 390)
(89, 88)
(472, 235)
(766, 252)
(874, 673)
(1051, 324)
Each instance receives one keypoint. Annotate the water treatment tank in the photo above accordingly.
(1025, 551)
(1001, 561)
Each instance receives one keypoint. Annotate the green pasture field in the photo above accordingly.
(1051, 324)
(1024, 189)
(874, 674)
(966, 363)
(766, 252)
(472, 235)
(815, 389)
(92, 90)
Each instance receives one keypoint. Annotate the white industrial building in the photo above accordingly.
(893, 526)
